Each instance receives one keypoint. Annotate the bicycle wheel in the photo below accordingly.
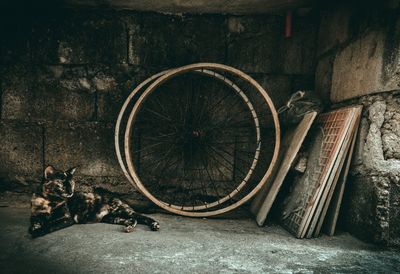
(194, 149)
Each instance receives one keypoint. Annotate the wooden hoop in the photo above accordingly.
(227, 82)
(160, 80)
(119, 120)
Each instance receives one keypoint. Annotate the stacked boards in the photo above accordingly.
(314, 198)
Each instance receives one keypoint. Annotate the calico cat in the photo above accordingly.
(57, 206)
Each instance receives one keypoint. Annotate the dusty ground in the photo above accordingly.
(183, 245)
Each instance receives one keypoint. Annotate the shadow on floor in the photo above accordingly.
(183, 245)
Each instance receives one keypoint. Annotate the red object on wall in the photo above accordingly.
(288, 24)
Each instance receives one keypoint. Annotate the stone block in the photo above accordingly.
(79, 38)
(168, 41)
(357, 69)
(370, 63)
(113, 85)
(254, 43)
(47, 93)
(16, 92)
(21, 152)
(90, 146)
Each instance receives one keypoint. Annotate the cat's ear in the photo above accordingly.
(71, 170)
(49, 171)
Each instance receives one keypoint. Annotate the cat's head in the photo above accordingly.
(58, 184)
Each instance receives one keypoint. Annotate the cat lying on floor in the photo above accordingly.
(57, 206)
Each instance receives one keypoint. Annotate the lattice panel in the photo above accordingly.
(333, 127)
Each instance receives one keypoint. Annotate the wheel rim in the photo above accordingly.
(238, 91)
(205, 68)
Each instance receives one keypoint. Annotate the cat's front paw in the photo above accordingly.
(129, 228)
(36, 226)
(155, 226)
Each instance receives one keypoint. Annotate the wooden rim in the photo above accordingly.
(160, 80)
(118, 125)
(256, 123)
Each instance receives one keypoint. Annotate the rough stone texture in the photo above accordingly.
(391, 129)
(79, 38)
(254, 43)
(170, 41)
(394, 214)
(261, 38)
(234, 244)
(15, 91)
(368, 208)
(363, 42)
(357, 69)
(21, 161)
(42, 93)
(372, 209)
(21, 149)
(113, 84)
(88, 146)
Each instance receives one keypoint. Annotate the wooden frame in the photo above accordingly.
(320, 213)
(329, 225)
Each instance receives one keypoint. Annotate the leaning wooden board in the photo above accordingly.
(324, 143)
(327, 191)
(290, 146)
(329, 226)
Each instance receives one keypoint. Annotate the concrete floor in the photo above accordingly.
(183, 245)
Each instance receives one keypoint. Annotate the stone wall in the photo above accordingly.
(372, 205)
(358, 50)
(65, 74)
(358, 63)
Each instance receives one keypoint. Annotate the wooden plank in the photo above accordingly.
(334, 207)
(323, 146)
(319, 215)
(291, 145)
